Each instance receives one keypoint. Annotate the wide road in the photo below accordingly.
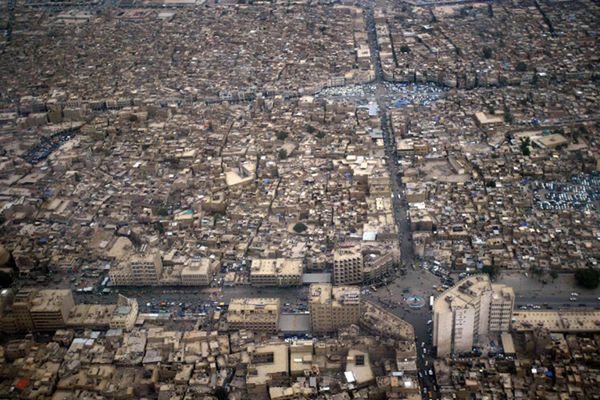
(547, 301)
(415, 282)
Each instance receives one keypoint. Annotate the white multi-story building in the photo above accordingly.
(471, 309)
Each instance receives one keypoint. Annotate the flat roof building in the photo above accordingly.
(198, 273)
(255, 314)
(270, 365)
(139, 270)
(332, 307)
(358, 368)
(347, 265)
(568, 321)
(50, 308)
(276, 272)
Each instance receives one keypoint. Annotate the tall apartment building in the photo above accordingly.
(347, 265)
(501, 308)
(276, 272)
(357, 263)
(471, 309)
(198, 273)
(377, 264)
(140, 270)
(20, 309)
(146, 268)
(332, 307)
(255, 314)
(50, 309)
(35, 310)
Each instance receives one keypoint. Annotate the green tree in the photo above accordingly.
(310, 129)
(492, 270)
(525, 143)
(320, 135)
(282, 154)
(221, 393)
(535, 270)
(490, 184)
(404, 49)
(553, 274)
(299, 227)
(588, 278)
(281, 135)
(535, 79)
(162, 211)
(508, 117)
(521, 67)
(487, 53)
(159, 227)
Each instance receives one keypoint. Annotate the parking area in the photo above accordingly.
(581, 193)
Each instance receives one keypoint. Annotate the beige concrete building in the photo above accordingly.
(333, 307)
(501, 308)
(568, 321)
(50, 308)
(146, 268)
(376, 265)
(471, 309)
(486, 120)
(20, 310)
(276, 272)
(257, 314)
(90, 316)
(347, 265)
(358, 369)
(35, 310)
(269, 367)
(301, 357)
(125, 314)
(198, 273)
(140, 270)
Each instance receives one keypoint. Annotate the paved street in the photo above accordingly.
(415, 282)
(555, 293)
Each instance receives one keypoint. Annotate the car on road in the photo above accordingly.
(574, 294)
(572, 298)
